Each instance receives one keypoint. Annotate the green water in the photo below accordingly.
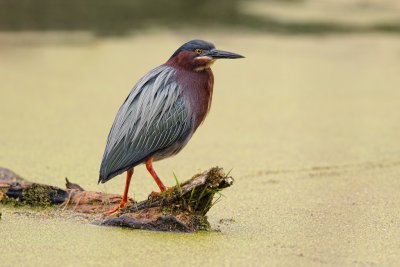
(309, 126)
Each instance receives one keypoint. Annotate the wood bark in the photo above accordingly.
(182, 208)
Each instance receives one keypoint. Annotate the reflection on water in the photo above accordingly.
(120, 17)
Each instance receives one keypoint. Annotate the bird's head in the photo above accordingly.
(199, 55)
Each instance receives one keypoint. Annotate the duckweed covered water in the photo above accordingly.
(308, 125)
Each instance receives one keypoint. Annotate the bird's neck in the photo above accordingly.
(197, 87)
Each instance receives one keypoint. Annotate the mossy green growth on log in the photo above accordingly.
(187, 202)
(182, 208)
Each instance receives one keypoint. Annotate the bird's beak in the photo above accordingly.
(215, 54)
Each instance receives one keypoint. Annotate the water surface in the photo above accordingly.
(308, 125)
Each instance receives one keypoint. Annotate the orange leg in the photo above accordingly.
(149, 166)
(124, 199)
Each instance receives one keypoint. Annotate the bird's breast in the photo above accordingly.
(197, 88)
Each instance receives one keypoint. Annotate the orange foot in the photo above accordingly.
(117, 208)
(153, 194)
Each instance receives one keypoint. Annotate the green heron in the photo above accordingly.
(161, 113)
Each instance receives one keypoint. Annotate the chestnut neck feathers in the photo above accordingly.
(197, 80)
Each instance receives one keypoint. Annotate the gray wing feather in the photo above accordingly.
(153, 117)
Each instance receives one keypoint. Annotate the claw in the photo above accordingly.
(154, 194)
(117, 208)
(124, 199)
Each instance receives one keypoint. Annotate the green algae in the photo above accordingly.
(38, 196)
(297, 103)
(35, 195)
(199, 200)
(180, 208)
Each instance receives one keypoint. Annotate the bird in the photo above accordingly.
(161, 113)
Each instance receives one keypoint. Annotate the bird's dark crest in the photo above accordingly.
(193, 45)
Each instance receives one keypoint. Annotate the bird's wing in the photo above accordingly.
(154, 116)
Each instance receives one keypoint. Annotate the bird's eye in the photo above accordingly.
(198, 51)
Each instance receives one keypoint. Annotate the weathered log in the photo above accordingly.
(181, 208)
(17, 191)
